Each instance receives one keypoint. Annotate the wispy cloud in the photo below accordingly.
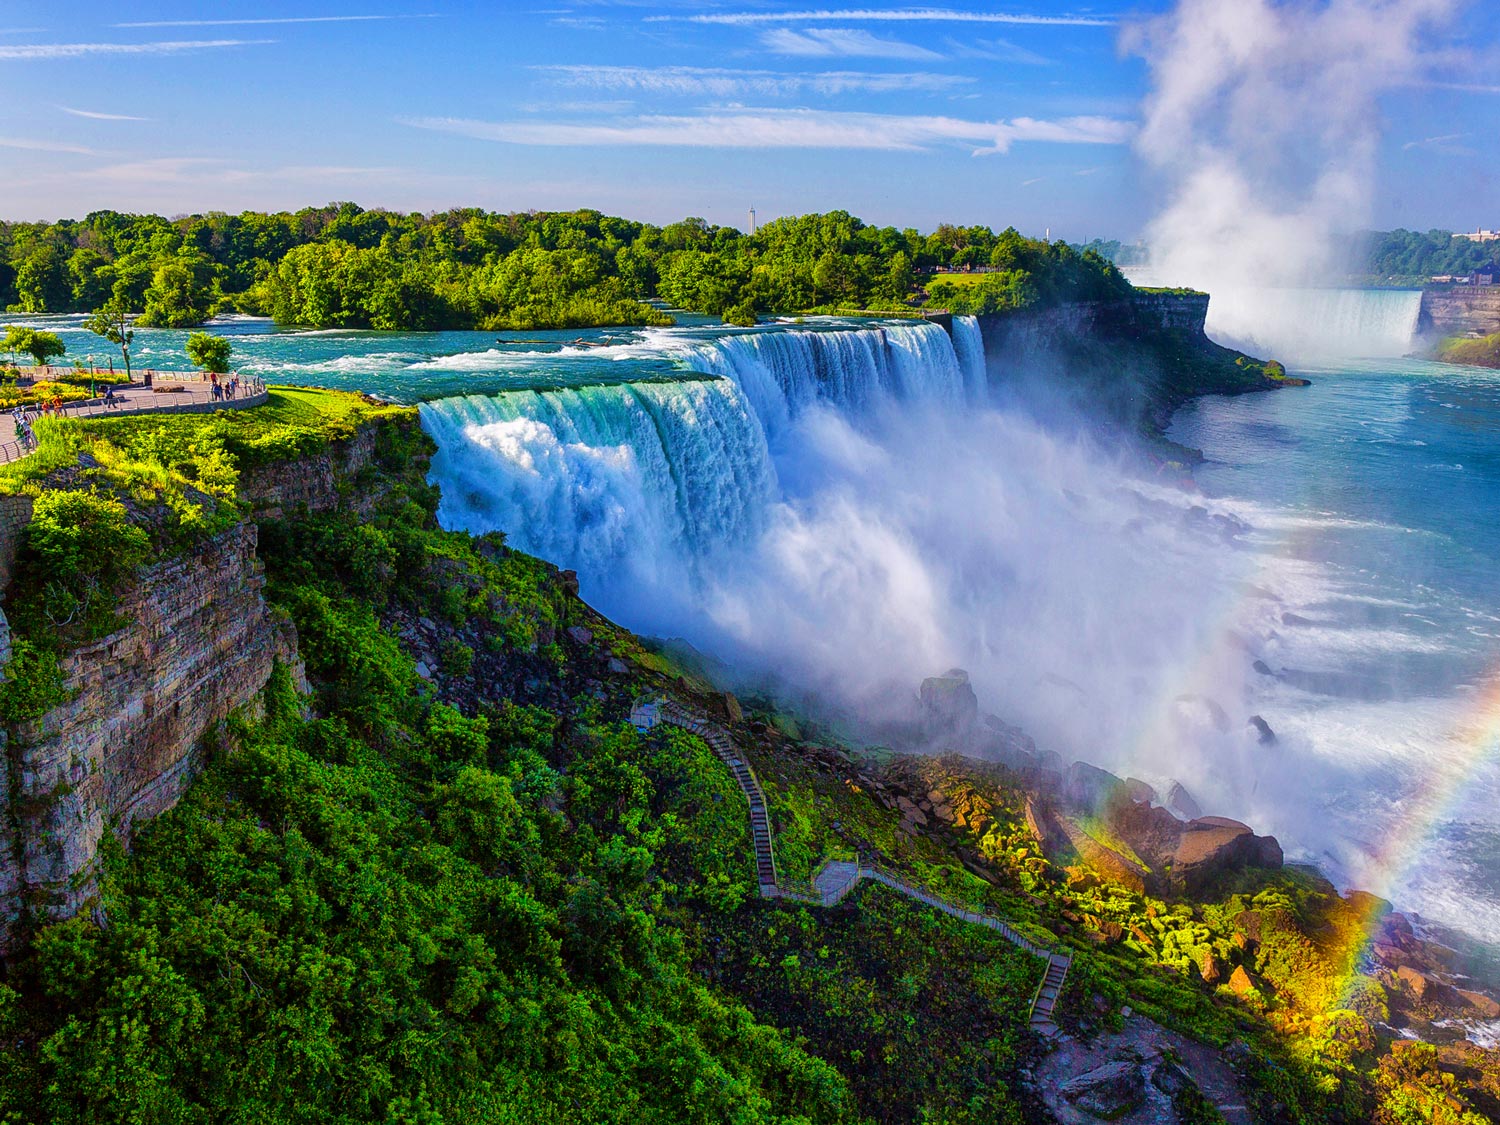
(267, 20)
(95, 115)
(893, 15)
(1446, 144)
(1465, 87)
(997, 50)
(842, 43)
(794, 128)
(38, 51)
(721, 82)
(45, 146)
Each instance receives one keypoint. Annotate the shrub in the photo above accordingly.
(80, 546)
(33, 683)
(209, 352)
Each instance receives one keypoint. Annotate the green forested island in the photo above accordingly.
(343, 267)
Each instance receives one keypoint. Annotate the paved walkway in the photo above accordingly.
(196, 396)
(836, 878)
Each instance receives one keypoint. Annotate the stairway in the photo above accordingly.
(837, 878)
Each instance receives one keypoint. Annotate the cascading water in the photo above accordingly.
(785, 372)
(629, 484)
(1297, 324)
(641, 486)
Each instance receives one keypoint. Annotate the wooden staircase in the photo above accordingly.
(838, 878)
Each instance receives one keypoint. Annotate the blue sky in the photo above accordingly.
(1017, 114)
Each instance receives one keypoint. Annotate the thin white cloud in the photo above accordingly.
(894, 15)
(268, 20)
(1447, 145)
(44, 146)
(793, 128)
(721, 82)
(838, 42)
(997, 50)
(95, 115)
(42, 51)
(1465, 87)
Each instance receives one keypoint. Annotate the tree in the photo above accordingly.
(40, 346)
(113, 323)
(209, 352)
(173, 299)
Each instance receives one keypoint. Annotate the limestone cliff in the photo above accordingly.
(1130, 362)
(1465, 310)
(199, 641)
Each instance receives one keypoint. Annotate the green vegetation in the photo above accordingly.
(1481, 352)
(473, 894)
(41, 346)
(1408, 257)
(112, 322)
(343, 267)
(1027, 273)
(209, 352)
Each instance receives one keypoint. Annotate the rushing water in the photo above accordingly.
(837, 503)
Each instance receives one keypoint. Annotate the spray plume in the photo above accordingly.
(1264, 120)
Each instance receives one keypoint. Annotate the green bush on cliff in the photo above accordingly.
(32, 684)
(79, 548)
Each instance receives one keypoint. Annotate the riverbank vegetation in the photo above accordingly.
(1483, 351)
(1413, 258)
(343, 267)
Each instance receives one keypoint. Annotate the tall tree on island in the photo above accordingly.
(209, 352)
(113, 323)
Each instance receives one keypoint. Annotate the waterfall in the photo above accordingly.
(641, 486)
(968, 344)
(1315, 323)
(625, 483)
(785, 371)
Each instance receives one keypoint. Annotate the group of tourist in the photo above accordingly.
(229, 388)
(24, 433)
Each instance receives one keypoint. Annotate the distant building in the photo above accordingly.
(1481, 236)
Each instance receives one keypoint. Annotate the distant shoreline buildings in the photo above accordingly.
(1481, 236)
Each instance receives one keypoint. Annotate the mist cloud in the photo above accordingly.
(1263, 121)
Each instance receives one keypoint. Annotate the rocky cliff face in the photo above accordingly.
(200, 642)
(145, 701)
(1131, 362)
(1460, 311)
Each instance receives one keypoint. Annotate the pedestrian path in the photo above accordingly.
(195, 396)
(837, 878)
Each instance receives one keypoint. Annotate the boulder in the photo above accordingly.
(1181, 802)
(726, 707)
(1208, 968)
(1088, 787)
(948, 702)
(1263, 732)
(1263, 668)
(1241, 984)
(1415, 981)
(1170, 1078)
(580, 634)
(1211, 845)
(1108, 1092)
(1487, 1007)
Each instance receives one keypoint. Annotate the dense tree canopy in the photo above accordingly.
(343, 267)
(1408, 255)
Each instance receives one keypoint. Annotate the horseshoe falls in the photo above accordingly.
(1316, 323)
